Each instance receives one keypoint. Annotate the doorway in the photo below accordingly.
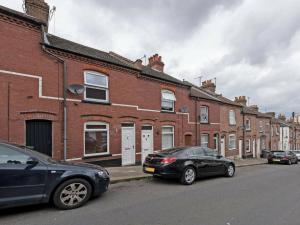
(39, 136)
(128, 144)
(147, 141)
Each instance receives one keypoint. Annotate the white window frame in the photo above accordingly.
(163, 133)
(232, 117)
(108, 142)
(95, 86)
(207, 113)
(249, 127)
(229, 145)
(207, 143)
(249, 141)
(173, 102)
(261, 126)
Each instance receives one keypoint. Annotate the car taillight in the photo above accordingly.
(168, 160)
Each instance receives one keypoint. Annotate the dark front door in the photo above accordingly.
(39, 135)
(188, 140)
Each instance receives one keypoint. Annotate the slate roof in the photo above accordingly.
(72, 47)
(21, 15)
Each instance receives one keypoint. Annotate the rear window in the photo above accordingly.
(279, 153)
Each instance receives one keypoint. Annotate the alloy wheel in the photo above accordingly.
(73, 194)
(189, 175)
(230, 170)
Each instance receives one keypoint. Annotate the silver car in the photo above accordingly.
(297, 153)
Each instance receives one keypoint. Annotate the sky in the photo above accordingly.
(251, 47)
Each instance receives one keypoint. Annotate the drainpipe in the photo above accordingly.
(244, 134)
(196, 122)
(64, 89)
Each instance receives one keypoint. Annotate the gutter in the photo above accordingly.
(45, 42)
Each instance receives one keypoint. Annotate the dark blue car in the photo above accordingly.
(29, 177)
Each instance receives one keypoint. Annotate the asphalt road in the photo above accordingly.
(257, 195)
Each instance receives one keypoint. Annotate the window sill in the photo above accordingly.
(170, 112)
(204, 123)
(95, 102)
(232, 149)
(248, 130)
(97, 156)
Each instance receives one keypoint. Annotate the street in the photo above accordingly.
(265, 194)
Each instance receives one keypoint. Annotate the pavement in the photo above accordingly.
(128, 173)
(265, 194)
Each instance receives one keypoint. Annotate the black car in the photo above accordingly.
(286, 157)
(188, 163)
(264, 154)
(29, 177)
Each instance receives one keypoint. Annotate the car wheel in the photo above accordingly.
(270, 162)
(230, 170)
(296, 162)
(188, 176)
(72, 194)
(289, 162)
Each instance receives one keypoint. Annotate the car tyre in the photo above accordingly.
(289, 162)
(188, 175)
(296, 162)
(270, 162)
(72, 194)
(230, 171)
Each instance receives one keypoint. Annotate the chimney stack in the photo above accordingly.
(156, 63)
(271, 114)
(38, 9)
(282, 117)
(209, 85)
(254, 107)
(241, 100)
(138, 63)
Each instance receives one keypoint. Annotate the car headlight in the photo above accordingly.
(102, 173)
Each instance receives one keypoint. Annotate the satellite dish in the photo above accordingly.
(76, 89)
(184, 109)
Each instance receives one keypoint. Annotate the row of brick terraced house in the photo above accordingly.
(78, 103)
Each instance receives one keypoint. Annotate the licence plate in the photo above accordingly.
(276, 160)
(149, 169)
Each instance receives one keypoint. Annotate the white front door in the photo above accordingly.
(241, 148)
(147, 141)
(128, 144)
(253, 148)
(223, 146)
(258, 148)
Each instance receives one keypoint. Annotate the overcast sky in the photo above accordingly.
(252, 47)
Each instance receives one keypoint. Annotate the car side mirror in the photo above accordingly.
(32, 162)
(219, 156)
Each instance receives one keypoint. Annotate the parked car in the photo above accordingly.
(188, 163)
(264, 154)
(286, 157)
(29, 177)
(297, 153)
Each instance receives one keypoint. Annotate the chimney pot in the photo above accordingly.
(241, 100)
(209, 85)
(155, 62)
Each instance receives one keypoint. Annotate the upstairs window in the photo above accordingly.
(248, 124)
(203, 114)
(232, 120)
(96, 86)
(167, 101)
(261, 126)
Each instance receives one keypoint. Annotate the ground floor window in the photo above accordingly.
(232, 142)
(167, 137)
(204, 140)
(247, 145)
(96, 138)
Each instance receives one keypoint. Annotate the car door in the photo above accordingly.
(20, 182)
(216, 164)
(202, 162)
